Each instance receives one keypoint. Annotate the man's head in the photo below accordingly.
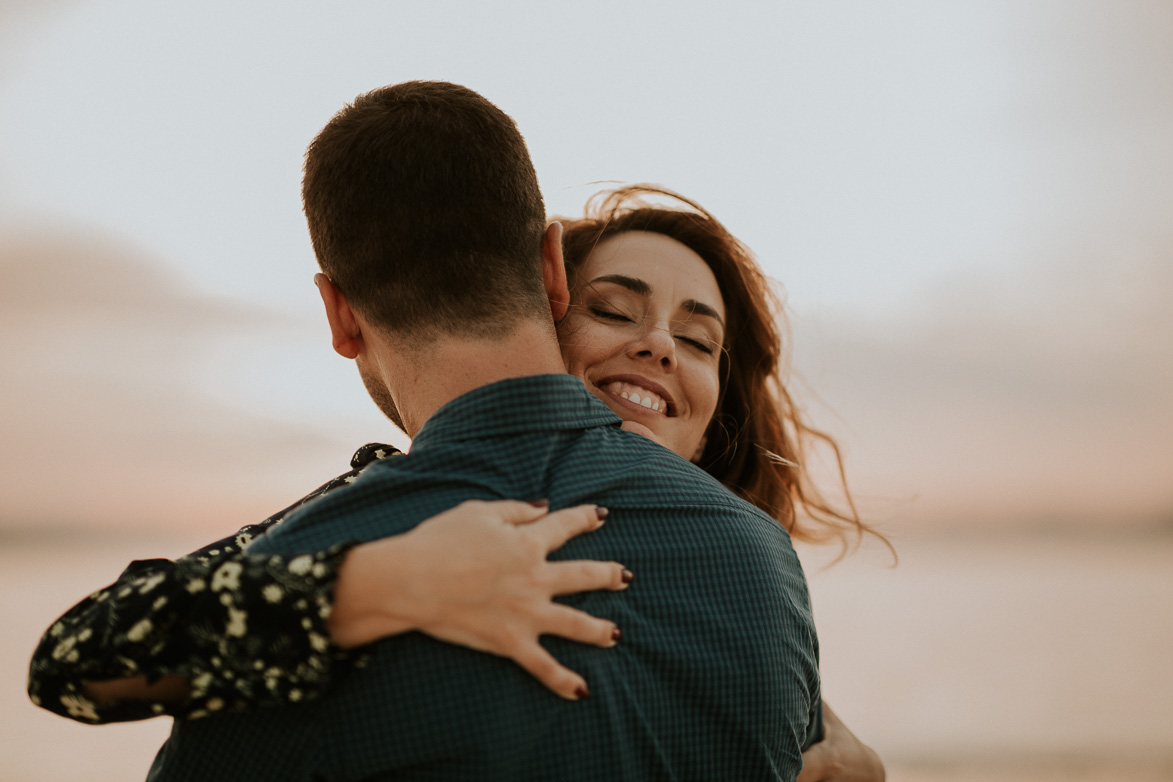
(424, 211)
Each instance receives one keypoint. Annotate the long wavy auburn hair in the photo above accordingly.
(758, 439)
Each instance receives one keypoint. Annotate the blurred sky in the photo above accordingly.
(968, 205)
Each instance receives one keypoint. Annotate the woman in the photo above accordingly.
(667, 292)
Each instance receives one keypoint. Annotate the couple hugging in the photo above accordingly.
(596, 415)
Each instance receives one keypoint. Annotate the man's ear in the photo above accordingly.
(344, 327)
(554, 271)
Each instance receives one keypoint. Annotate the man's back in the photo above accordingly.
(715, 678)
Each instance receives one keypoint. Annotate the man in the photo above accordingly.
(442, 282)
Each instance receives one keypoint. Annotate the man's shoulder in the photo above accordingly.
(652, 473)
(383, 498)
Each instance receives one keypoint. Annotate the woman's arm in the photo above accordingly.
(173, 637)
(222, 630)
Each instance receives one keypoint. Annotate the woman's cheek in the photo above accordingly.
(711, 392)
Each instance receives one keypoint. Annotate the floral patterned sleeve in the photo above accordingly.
(245, 630)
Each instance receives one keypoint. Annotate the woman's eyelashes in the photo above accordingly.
(607, 314)
(703, 345)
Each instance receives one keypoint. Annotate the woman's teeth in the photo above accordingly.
(640, 396)
(643, 402)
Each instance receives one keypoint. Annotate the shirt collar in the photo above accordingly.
(520, 405)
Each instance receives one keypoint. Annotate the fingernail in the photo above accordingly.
(582, 693)
(602, 512)
(616, 634)
(540, 503)
(627, 576)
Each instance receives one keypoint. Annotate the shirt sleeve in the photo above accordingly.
(246, 630)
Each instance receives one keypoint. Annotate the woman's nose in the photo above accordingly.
(655, 343)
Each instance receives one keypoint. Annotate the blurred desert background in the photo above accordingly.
(969, 206)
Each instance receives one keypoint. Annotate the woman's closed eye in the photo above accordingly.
(703, 344)
(609, 314)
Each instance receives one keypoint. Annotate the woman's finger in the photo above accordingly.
(512, 512)
(584, 575)
(542, 666)
(570, 623)
(562, 525)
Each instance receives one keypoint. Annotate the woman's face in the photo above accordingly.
(644, 333)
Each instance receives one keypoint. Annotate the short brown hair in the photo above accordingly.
(757, 439)
(424, 211)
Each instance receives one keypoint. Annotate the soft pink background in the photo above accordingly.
(967, 205)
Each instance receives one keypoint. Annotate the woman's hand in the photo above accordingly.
(840, 756)
(477, 576)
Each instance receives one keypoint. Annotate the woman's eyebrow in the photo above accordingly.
(631, 283)
(700, 308)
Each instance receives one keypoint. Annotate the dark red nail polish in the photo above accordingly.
(627, 576)
(616, 634)
(582, 693)
(540, 503)
(602, 512)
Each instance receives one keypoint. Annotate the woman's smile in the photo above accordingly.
(641, 395)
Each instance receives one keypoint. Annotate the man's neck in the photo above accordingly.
(423, 380)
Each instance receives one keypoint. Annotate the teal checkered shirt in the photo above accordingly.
(716, 677)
